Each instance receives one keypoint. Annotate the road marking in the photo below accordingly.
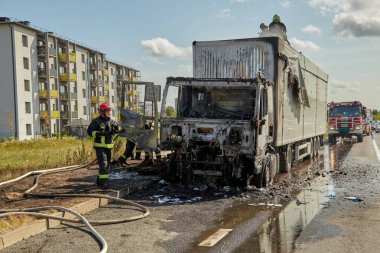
(377, 151)
(216, 237)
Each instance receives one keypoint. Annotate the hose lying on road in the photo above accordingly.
(33, 211)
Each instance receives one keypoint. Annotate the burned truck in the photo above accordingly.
(252, 108)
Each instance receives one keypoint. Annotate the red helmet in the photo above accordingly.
(104, 107)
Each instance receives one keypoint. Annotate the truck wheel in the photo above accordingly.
(316, 146)
(312, 145)
(360, 138)
(332, 139)
(286, 157)
(258, 180)
(267, 181)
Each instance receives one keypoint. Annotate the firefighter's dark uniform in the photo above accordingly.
(103, 131)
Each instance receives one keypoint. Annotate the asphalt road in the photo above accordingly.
(345, 225)
(182, 227)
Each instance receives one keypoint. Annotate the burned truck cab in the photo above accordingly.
(216, 132)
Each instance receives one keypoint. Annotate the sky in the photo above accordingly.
(342, 37)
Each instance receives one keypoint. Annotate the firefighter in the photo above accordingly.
(103, 129)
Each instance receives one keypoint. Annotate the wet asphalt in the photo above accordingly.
(301, 212)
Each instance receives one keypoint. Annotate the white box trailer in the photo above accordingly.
(252, 107)
(297, 115)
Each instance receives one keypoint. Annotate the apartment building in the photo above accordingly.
(47, 81)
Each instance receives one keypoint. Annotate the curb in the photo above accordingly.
(42, 225)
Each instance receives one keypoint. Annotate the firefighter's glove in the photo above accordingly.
(115, 128)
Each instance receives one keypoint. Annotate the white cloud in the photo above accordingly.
(225, 13)
(154, 60)
(285, 4)
(311, 29)
(336, 86)
(352, 18)
(238, 1)
(161, 47)
(303, 45)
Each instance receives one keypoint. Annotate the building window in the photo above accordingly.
(25, 40)
(112, 85)
(84, 110)
(26, 63)
(26, 85)
(83, 76)
(84, 93)
(27, 107)
(83, 58)
(112, 71)
(113, 99)
(28, 129)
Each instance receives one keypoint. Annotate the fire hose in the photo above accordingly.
(33, 211)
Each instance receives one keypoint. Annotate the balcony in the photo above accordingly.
(54, 93)
(125, 103)
(132, 92)
(44, 114)
(74, 95)
(55, 114)
(53, 72)
(72, 57)
(63, 77)
(43, 93)
(64, 95)
(106, 86)
(93, 66)
(42, 51)
(106, 72)
(74, 115)
(63, 57)
(94, 99)
(94, 115)
(64, 114)
(122, 77)
(41, 72)
(133, 79)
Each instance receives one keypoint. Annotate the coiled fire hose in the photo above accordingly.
(33, 211)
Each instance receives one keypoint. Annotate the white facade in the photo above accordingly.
(47, 82)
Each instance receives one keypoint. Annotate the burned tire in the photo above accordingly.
(286, 158)
(258, 180)
(267, 177)
(360, 138)
(332, 140)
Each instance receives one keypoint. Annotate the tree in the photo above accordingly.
(10, 123)
(374, 111)
(170, 112)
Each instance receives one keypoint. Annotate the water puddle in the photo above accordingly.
(283, 222)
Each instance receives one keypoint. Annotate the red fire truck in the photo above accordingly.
(347, 119)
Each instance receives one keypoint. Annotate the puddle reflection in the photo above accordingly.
(283, 225)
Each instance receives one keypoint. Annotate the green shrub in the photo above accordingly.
(4, 139)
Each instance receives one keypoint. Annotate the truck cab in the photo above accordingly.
(346, 119)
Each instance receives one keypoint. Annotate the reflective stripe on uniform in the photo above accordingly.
(94, 134)
(103, 176)
(102, 145)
